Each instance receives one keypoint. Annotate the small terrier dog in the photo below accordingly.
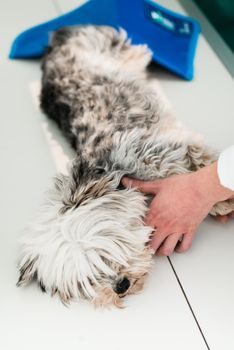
(89, 240)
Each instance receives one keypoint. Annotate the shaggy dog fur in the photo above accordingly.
(89, 240)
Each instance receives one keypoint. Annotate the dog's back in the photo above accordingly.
(93, 86)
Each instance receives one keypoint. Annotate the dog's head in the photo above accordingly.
(89, 240)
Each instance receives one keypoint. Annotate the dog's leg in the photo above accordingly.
(161, 157)
(223, 208)
(135, 58)
(158, 157)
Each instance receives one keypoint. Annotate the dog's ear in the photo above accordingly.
(27, 272)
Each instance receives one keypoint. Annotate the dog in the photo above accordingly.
(89, 240)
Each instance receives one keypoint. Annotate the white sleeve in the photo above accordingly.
(226, 168)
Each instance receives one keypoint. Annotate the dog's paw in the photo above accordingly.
(223, 208)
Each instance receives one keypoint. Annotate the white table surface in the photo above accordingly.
(160, 316)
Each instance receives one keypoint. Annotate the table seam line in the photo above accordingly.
(189, 304)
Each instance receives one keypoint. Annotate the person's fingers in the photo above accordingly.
(148, 187)
(157, 239)
(168, 246)
(231, 215)
(186, 242)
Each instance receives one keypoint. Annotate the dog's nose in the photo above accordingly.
(122, 286)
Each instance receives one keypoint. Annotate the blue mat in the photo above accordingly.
(171, 37)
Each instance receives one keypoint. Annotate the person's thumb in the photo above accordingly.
(148, 187)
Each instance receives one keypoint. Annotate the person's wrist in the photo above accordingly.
(212, 186)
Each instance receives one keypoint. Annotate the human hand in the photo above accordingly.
(180, 204)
